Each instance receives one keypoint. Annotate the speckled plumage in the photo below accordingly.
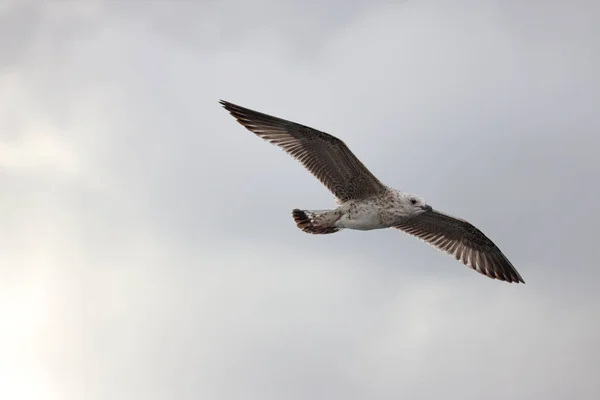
(364, 203)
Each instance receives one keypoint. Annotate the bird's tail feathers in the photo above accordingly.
(316, 222)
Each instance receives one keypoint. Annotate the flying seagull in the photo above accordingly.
(364, 203)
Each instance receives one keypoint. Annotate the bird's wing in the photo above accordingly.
(462, 240)
(324, 155)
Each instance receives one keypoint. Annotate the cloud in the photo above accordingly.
(148, 246)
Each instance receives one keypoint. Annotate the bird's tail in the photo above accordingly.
(316, 222)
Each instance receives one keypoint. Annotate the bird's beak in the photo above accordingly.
(427, 208)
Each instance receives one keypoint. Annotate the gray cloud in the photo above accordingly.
(149, 249)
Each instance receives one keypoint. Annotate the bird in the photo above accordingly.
(364, 203)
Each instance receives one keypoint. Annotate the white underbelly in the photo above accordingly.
(362, 221)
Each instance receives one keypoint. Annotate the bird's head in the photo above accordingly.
(414, 204)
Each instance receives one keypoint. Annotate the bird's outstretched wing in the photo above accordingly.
(462, 240)
(324, 155)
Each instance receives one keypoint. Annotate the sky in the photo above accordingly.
(147, 245)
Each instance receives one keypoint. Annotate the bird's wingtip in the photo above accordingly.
(517, 279)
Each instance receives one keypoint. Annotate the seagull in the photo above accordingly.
(364, 203)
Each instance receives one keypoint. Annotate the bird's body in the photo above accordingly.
(364, 203)
(376, 212)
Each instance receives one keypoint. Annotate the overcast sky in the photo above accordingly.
(147, 245)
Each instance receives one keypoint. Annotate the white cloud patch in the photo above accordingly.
(38, 150)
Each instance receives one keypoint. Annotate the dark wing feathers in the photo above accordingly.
(462, 240)
(324, 155)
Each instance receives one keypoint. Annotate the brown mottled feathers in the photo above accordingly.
(462, 240)
(305, 222)
(324, 155)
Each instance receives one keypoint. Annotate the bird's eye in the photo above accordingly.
(413, 201)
